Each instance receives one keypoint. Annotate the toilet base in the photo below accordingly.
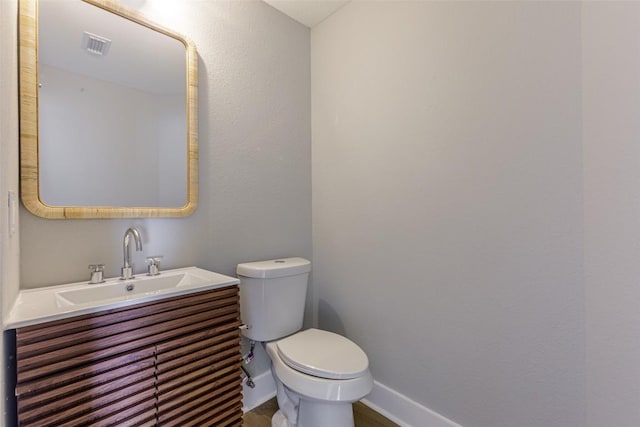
(321, 414)
(279, 420)
(318, 414)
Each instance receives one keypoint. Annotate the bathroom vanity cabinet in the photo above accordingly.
(170, 362)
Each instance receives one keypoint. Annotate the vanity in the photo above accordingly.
(160, 350)
(148, 351)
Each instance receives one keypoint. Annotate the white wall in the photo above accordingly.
(254, 134)
(447, 203)
(475, 189)
(103, 144)
(255, 177)
(9, 242)
(169, 132)
(611, 117)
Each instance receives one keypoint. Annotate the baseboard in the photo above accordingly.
(402, 410)
(264, 390)
(384, 400)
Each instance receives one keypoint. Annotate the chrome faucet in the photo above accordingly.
(127, 269)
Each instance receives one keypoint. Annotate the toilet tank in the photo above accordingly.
(272, 297)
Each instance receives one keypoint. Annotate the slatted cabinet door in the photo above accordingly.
(199, 379)
(116, 391)
(168, 362)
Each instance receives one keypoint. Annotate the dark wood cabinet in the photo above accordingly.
(172, 362)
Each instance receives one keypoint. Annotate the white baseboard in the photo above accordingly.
(402, 410)
(384, 400)
(264, 390)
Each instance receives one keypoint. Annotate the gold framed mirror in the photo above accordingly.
(85, 152)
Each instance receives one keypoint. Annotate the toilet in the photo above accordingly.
(318, 374)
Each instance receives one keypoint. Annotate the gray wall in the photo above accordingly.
(611, 144)
(254, 132)
(447, 203)
(255, 155)
(476, 173)
(9, 242)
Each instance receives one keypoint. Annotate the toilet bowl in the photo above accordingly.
(318, 374)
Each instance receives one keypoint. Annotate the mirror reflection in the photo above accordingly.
(112, 110)
(108, 113)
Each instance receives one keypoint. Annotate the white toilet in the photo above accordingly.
(318, 374)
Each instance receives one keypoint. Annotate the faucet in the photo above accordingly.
(127, 269)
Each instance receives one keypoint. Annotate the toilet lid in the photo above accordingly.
(323, 354)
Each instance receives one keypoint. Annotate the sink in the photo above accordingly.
(126, 289)
(35, 306)
(135, 288)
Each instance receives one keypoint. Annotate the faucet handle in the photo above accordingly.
(153, 265)
(97, 273)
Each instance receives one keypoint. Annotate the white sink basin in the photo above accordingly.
(127, 289)
(140, 286)
(35, 306)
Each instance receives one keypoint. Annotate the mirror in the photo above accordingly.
(108, 113)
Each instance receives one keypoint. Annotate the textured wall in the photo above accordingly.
(611, 117)
(9, 243)
(448, 192)
(255, 176)
(447, 203)
(116, 139)
(255, 188)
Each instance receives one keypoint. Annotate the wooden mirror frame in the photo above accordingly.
(29, 160)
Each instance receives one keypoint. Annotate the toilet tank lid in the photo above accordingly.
(274, 268)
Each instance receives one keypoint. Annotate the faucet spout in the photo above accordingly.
(127, 269)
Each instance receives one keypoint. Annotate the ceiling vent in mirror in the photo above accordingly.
(95, 45)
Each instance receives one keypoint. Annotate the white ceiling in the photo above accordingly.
(308, 12)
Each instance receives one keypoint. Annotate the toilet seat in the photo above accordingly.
(313, 387)
(323, 354)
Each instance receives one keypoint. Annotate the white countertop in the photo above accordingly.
(34, 306)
